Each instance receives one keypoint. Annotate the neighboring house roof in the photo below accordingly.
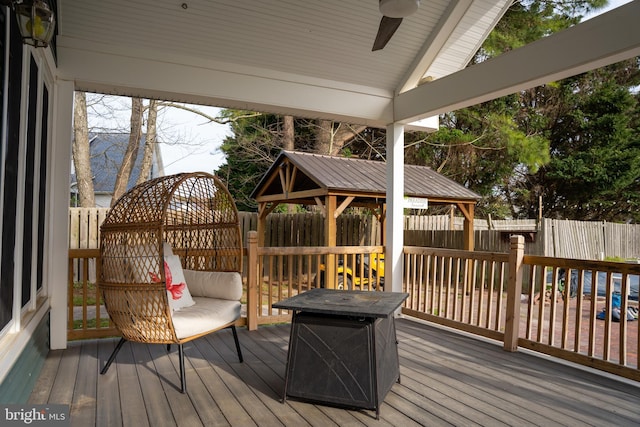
(107, 154)
(317, 175)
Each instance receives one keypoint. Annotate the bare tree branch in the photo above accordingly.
(219, 120)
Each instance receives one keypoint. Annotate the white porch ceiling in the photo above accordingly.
(313, 58)
(307, 57)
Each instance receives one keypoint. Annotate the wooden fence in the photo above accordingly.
(595, 240)
(84, 227)
(590, 239)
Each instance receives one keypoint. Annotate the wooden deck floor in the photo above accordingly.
(447, 379)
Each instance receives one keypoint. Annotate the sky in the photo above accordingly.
(612, 5)
(191, 143)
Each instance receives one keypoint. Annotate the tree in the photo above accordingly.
(81, 152)
(594, 173)
(131, 153)
(288, 133)
(105, 114)
(150, 142)
(503, 148)
(482, 149)
(103, 107)
(258, 139)
(332, 136)
(529, 20)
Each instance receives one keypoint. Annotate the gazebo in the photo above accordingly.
(335, 183)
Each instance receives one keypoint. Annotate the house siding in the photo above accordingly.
(19, 382)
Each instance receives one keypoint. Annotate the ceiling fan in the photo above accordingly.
(392, 13)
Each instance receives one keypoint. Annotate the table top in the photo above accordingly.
(345, 303)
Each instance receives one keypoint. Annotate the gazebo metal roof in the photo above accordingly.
(313, 175)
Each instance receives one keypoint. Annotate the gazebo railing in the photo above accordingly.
(277, 273)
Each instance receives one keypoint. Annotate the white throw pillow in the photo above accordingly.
(177, 291)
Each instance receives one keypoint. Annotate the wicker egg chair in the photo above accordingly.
(194, 216)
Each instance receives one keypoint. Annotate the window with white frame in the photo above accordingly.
(11, 106)
(24, 150)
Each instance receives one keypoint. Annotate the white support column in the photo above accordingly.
(395, 217)
(58, 248)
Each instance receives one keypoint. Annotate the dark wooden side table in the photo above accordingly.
(343, 349)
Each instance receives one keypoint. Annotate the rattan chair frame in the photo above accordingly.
(196, 215)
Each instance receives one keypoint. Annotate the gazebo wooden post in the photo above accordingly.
(252, 280)
(330, 205)
(259, 241)
(383, 224)
(451, 217)
(469, 243)
(262, 223)
(467, 210)
(263, 211)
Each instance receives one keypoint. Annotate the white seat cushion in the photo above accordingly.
(208, 314)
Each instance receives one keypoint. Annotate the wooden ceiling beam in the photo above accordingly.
(265, 209)
(345, 203)
(289, 197)
(467, 210)
(292, 178)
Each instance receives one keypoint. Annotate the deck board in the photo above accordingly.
(155, 400)
(108, 412)
(65, 379)
(167, 366)
(83, 406)
(447, 378)
(132, 403)
(199, 373)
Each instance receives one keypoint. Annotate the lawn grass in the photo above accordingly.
(78, 294)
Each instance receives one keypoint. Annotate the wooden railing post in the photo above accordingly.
(514, 291)
(252, 280)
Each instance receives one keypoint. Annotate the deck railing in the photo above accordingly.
(549, 305)
(461, 289)
(586, 313)
(87, 317)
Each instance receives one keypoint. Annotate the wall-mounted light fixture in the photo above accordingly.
(35, 19)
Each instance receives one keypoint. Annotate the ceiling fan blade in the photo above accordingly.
(388, 27)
